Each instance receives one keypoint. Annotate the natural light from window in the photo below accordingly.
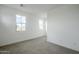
(20, 23)
(41, 24)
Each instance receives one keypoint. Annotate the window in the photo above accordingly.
(41, 24)
(20, 23)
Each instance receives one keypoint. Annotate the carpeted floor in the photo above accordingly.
(35, 46)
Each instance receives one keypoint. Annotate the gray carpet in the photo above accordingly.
(35, 46)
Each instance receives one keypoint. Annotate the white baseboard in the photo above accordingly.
(63, 46)
(21, 40)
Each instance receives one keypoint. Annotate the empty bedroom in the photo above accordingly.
(39, 28)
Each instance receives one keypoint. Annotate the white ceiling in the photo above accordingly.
(34, 8)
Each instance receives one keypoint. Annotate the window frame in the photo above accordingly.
(19, 21)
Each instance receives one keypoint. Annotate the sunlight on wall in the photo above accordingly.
(46, 25)
(41, 23)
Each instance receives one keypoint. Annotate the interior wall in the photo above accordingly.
(8, 34)
(63, 26)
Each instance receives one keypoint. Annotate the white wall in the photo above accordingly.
(63, 26)
(8, 34)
